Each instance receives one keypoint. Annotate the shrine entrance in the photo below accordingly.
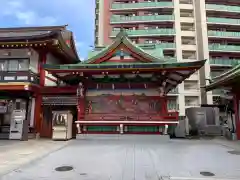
(54, 104)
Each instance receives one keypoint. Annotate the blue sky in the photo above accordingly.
(78, 14)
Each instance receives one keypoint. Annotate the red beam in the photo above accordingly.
(19, 87)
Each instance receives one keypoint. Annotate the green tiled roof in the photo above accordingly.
(155, 50)
(87, 66)
(122, 38)
(225, 79)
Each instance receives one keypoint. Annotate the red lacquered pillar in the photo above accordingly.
(38, 106)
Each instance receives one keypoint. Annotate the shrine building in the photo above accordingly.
(119, 89)
(230, 81)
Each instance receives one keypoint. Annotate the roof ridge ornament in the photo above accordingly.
(122, 33)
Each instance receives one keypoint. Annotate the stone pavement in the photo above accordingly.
(14, 154)
(134, 159)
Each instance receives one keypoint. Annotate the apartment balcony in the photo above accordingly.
(223, 48)
(223, 34)
(173, 91)
(147, 32)
(224, 62)
(116, 19)
(141, 5)
(191, 92)
(172, 106)
(19, 76)
(230, 21)
(160, 45)
(222, 8)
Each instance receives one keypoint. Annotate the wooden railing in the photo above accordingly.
(172, 116)
(19, 76)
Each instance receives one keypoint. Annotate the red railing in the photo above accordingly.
(171, 116)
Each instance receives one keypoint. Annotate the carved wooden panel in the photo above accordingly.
(114, 104)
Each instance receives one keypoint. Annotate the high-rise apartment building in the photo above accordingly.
(187, 30)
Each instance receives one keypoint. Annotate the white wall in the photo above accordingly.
(34, 61)
(50, 80)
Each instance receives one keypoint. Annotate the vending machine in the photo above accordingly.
(62, 125)
(17, 124)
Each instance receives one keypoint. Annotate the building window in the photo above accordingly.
(188, 40)
(23, 65)
(189, 54)
(187, 26)
(14, 65)
(186, 13)
(3, 65)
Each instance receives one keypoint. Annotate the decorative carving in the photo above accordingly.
(117, 104)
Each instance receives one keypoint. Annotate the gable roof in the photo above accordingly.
(51, 35)
(226, 79)
(122, 39)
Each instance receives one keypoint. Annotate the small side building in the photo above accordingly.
(230, 81)
(23, 51)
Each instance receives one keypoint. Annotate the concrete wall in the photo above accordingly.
(100, 24)
(202, 48)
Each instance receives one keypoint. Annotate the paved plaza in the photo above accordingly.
(134, 158)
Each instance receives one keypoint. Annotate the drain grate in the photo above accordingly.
(64, 168)
(234, 152)
(206, 173)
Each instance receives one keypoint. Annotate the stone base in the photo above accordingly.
(144, 138)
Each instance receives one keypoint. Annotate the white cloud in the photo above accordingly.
(31, 18)
(19, 10)
(79, 14)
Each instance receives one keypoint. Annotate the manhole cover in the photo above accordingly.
(83, 174)
(206, 173)
(64, 168)
(234, 152)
